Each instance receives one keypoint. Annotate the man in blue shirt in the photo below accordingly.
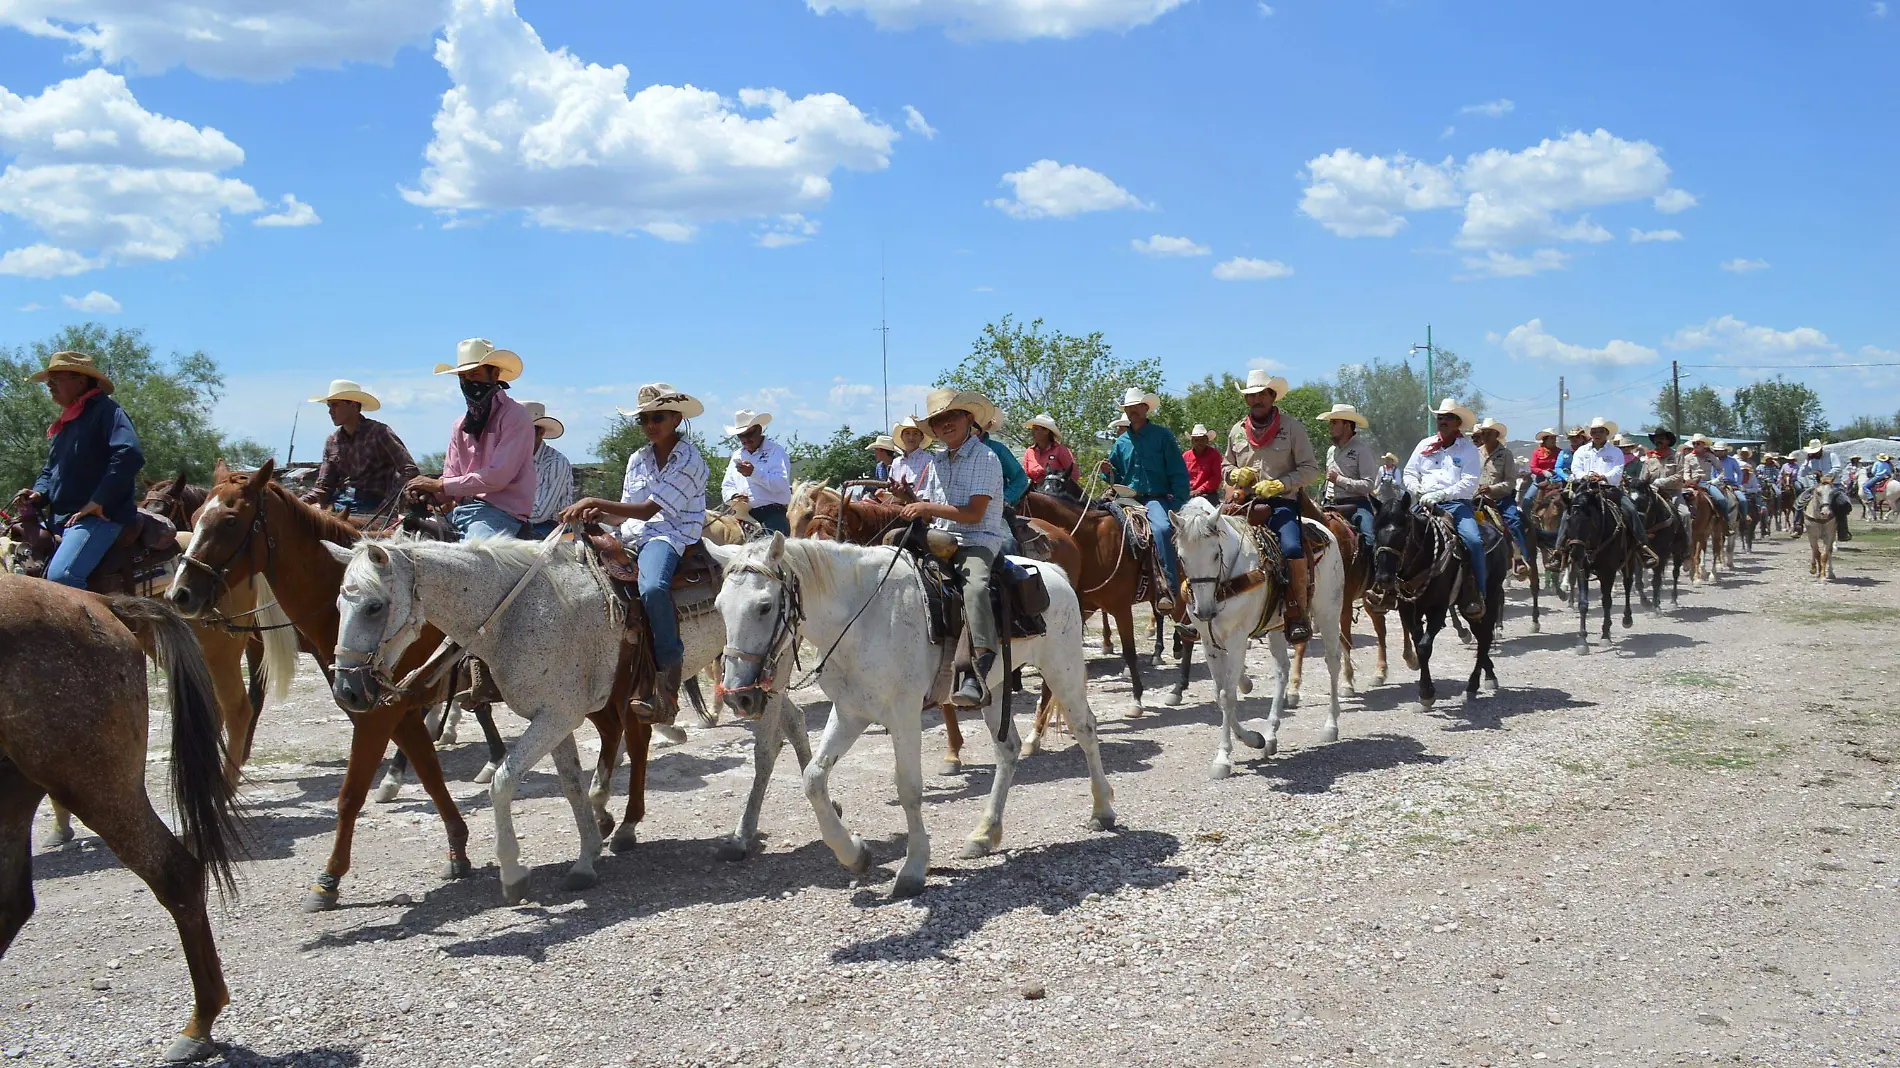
(1578, 436)
(1147, 459)
(87, 483)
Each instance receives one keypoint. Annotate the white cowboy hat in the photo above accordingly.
(1450, 406)
(883, 441)
(1621, 442)
(1720, 446)
(1390, 458)
(1746, 451)
(950, 399)
(1258, 379)
(481, 352)
(551, 427)
(1607, 425)
(911, 422)
(1121, 423)
(1133, 395)
(1199, 431)
(346, 390)
(1343, 411)
(1814, 444)
(1493, 424)
(662, 397)
(1047, 422)
(1547, 432)
(745, 419)
(78, 363)
(1699, 439)
(1884, 457)
(1578, 431)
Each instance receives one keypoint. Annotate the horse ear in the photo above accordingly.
(338, 553)
(260, 478)
(722, 554)
(220, 472)
(184, 475)
(378, 555)
(777, 551)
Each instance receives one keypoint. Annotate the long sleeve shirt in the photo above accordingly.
(93, 459)
(1040, 463)
(678, 487)
(1015, 479)
(1203, 466)
(1357, 467)
(1590, 460)
(1497, 474)
(1451, 470)
(770, 481)
(1149, 461)
(1881, 469)
(1289, 457)
(497, 467)
(1560, 471)
(1662, 471)
(1543, 461)
(373, 459)
(910, 468)
(553, 484)
(1809, 474)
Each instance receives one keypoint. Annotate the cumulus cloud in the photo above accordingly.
(1744, 266)
(93, 303)
(793, 229)
(293, 212)
(259, 40)
(915, 123)
(1049, 190)
(1244, 269)
(1496, 264)
(1533, 343)
(1489, 109)
(1362, 196)
(1642, 236)
(1010, 20)
(1737, 339)
(1671, 201)
(1163, 245)
(525, 129)
(106, 181)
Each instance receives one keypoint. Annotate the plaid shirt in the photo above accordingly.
(954, 478)
(679, 489)
(374, 460)
(553, 484)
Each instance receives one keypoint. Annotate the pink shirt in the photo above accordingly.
(1038, 462)
(497, 467)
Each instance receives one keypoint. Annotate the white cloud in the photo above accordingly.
(1266, 363)
(915, 123)
(1743, 266)
(1495, 264)
(1449, 130)
(1163, 245)
(1244, 269)
(1533, 343)
(1736, 339)
(110, 182)
(1877, 10)
(293, 213)
(1489, 109)
(1013, 20)
(1671, 201)
(1361, 196)
(95, 303)
(260, 40)
(32, 307)
(1046, 189)
(1639, 237)
(793, 229)
(522, 128)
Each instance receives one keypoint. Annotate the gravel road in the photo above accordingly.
(1680, 849)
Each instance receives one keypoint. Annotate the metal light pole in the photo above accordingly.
(1429, 351)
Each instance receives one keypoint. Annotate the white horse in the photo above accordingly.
(1215, 551)
(866, 607)
(1818, 516)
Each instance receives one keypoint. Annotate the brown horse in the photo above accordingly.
(1708, 533)
(1109, 572)
(88, 752)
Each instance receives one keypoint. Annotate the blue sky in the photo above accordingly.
(1585, 191)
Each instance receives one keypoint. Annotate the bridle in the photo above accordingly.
(1437, 543)
(788, 614)
(374, 666)
(220, 585)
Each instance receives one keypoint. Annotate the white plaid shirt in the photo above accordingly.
(679, 489)
(954, 478)
(909, 469)
(553, 484)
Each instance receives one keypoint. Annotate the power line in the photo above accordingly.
(1785, 366)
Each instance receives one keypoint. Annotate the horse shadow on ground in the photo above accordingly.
(87, 854)
(1315, 770)
(239, 1055)
(1053, 878)
(1489, 711)
(1628, 645)
(1700, 613)
(1860, 581)
(1060, 760)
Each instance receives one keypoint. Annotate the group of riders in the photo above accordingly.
(501, 478)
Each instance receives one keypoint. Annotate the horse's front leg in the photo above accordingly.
(1276, 644)
(601, 790)
(567, 767)
(989, 830)
(639, 739)
(1424, 625)
(1608, 584)
(1226, 666)
(1125, 622)
(542, 735)
(1173, 697)
(1628, 577)
(953, 741)
(1378, 632)
(841, 732)
(768, 737)
(1298, 657)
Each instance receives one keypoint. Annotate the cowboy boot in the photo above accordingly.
(1297, 627)
(667, 693)
(974, 690)
(1470, 595)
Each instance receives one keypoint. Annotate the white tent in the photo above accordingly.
(1865, 448)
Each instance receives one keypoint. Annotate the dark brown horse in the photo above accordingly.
(1109, 572)
(88, 753)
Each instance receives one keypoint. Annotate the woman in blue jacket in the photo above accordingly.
(87, 484)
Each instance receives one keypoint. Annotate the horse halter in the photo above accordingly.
(374, 666)
(788, 613)
(219, 585)
(1220, 570)
(1411, 590)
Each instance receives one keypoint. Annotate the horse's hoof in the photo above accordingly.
(1330, 734)
(1134, 709)
(1293, 699)
(1627, 624)
(1246, 684)
(669, 734)
(605, 823)
(906, 887)
(861, 862)
(975, 848)
(1536, 627)
(1379, 679)
(1172, 698)
(1583, 648)
(625, 841)
(1489, 686)
(1221, 770)
(1269, 746)
(731, 849)
(447, 739)
(1251, 739)
(1425, 703)
(1032, 745)
(386, 791)
(950, 767)
(56, 837)
(1102, 821)
(486, 775)
(185, 1049)
(457, 868)
(514, 893)
(579, 880)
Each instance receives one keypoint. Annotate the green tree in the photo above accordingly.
(431, 464)
(169, 403)
(1784, 414)
(844, 456)
(622, 439)
(1212, 402)
(1869, 426)
(1703, 412)
(1077, 380)
(1392, 397)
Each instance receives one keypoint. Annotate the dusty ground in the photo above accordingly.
(1679, 849)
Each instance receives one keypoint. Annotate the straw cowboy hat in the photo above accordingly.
(1199, 431)
(745, 419)
(1493, 424)
(1608, 425)
(883, 441)
(1814, 444)
(78, 363)
(1390, 458)
(1700, 439)
(1450, 406)
(1133, 395)
(1883, 457)
(551, 427)
(481, 352)
(1745, 451)
(911, 422)
(1047, 422)
(1120, 423)
(1343, 411)
(1578, 431)
(1622, 442)
(1547, 432)
(1720, 446)
(344, 389)
(1258, 380)
(662, 397)
(950, 399)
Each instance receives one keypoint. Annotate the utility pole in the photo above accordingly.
(1431, 426)
(884, 333)
(1675, 393)
(1562, 396)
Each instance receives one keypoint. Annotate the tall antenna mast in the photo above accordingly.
(884, 333)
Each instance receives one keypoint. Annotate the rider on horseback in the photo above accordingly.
(1048, 458)
(1352, 472)
(1443, 473)
(1497, 480)
(1270, 459)
(1147, 459)
(364, 462)
(87, 483)
(1751, 486)
(489, 468)
(914, 455)
(1705, 468)
(1600, 463)
(1817, 466)
(553, 474)
(1662, 469)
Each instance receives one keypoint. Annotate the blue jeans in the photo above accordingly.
(542, 530)
(1514, 522)
(358, 502)
(1719, 494)
(1359, 512)
(1466, 518)
(81, 547)
(1164, 539)
(772, 517)
(479, 519)
(658, 560)
(1285, 521)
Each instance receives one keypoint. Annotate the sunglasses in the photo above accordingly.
(652, 417)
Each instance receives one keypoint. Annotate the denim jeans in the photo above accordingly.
(658, 561)
(542, 530)
(479, 519)
(1466, 519)
(1359, 513)
(1164, 539)
(1514, 522)
(1285, 521)
(772, 517)
(358, 502)
(81, 547)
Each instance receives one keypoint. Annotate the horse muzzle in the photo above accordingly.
(355, 689)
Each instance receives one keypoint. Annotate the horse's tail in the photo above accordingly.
(208, 816)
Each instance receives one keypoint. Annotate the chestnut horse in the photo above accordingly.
(1707, 533)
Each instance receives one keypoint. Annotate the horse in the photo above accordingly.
(1418, 567)
(866, 607)
(1666, 524)
(1228, 599)
(1887, 500)
(1708, 531)
(88, 753)
(1541, 521)
(1597, 545)
(1818, 516)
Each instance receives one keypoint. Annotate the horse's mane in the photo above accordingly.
(822, 565)
(1065, 512)
(509, 556)
(319, 523)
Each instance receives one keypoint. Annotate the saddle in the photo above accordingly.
(695, 585)
(1272, 570)
(944, 590)
(139, 552)
(1139, 535)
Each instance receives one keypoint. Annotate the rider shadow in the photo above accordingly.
(1053, 878)
(1489, 711)
(1648, 643)
(1314, 771)
(1702, 613)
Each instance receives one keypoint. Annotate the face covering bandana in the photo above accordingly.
(480, 397)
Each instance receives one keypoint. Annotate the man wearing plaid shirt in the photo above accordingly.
(363, 455)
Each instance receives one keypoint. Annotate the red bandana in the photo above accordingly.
(1439, 443)
(71, 412)
(1266, 435)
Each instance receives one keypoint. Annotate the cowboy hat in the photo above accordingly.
(745, 419)
(1607, 425)
(1344, 411)
(346, 390)
(1047, 422)
(1258, 379)
(1390, 458)
(1547, 432)
(1199, 431)
(538, 413)
(883, 441)
(1450, 406)
(78, 363)
(1660, 431)
(481, 352)
(1133, 395)
(1884, 457)
(662, 397)
(950, 399)
(911, 422)
(1814, 444)
(1492, 424)
(1720, 446)
(1578, 432)
(1745, 451)
(1621, 442)
(1699, 439)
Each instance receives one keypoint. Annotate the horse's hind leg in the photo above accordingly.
(953, 742)
(1276, 643)
(1298, 675)
(19, 799)
(412, 736)
(1125, 622)
(1378, 633)
(601, 791)
(1173, 696)
(497, 752)
(1070, 681)
(639, 736)
(61, 831)
(989, 830)
(567, 766)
